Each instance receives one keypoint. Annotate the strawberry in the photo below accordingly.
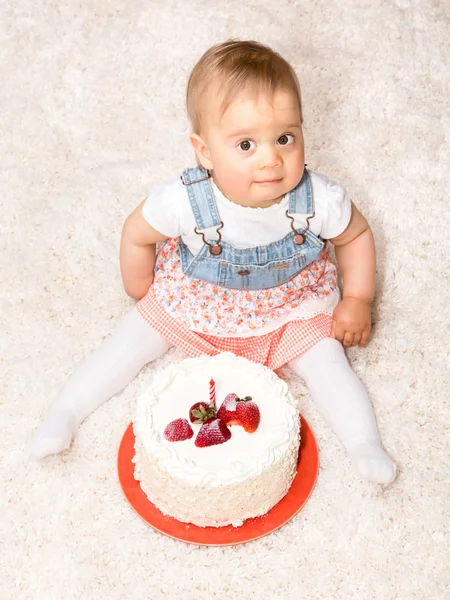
(212, 433)
(201, 412)
(227, 410)
(178, 430)
(247, 414)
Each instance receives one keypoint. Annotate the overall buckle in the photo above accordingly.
(208, 176)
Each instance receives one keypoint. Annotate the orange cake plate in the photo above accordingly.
(252, 529)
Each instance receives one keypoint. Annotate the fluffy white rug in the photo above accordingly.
(92, 117)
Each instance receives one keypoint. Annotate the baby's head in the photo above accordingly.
(243, 100)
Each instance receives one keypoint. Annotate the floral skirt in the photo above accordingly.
(272, 349)
(219, 311)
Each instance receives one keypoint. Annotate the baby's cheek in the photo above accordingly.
(239, 180)
(234, 186)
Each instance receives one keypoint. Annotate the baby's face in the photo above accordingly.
(256, 149)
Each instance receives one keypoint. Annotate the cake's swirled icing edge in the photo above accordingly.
(278, 440)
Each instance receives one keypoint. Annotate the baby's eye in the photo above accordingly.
(246, 145)
(285, 139)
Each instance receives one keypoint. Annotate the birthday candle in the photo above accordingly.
(212, 392)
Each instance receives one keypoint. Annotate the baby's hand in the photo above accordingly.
(352, 322)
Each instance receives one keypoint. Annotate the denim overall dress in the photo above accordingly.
(267, 303)
(258, 267)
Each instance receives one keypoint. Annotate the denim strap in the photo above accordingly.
(201, 197)
(301, 197)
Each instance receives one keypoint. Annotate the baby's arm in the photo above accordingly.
(138, 253)
(355, 255)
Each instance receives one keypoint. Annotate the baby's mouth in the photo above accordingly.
(268, 181)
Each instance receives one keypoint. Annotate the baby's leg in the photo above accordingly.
(103, 374)
(343, 402)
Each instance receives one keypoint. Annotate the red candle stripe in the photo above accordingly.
(212, 392)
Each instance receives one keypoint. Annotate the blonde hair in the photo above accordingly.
(233, 67)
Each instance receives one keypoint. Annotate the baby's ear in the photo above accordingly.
(201, 150)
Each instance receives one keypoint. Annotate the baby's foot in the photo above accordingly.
(54, 435)
(371, 462)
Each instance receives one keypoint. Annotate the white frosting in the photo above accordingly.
(245, 455)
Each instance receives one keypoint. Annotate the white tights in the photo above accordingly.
(335, 389)
(343, 402)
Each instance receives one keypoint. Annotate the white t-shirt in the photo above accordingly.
(168, 210)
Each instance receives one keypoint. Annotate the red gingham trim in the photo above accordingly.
(272, 349)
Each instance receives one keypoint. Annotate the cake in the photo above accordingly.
(250, 465)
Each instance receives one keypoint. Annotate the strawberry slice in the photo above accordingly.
(247, 414)
(212, 433)
(201, 412)
(227, 410)
(178, 431)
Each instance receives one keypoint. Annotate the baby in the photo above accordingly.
(234, 255)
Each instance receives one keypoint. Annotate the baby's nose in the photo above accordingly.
(269, 158)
